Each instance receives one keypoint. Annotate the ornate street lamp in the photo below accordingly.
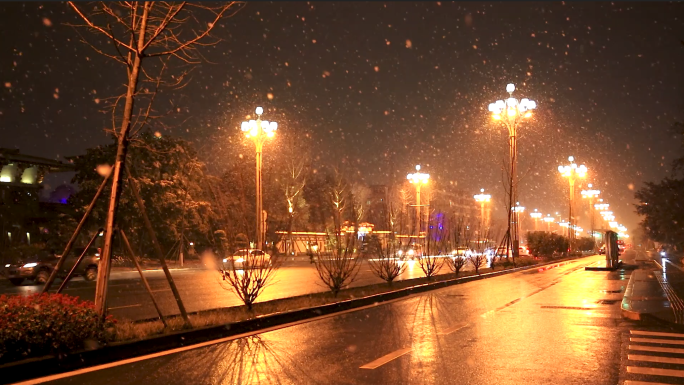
(483, 198)
(516, 215)
(572, 171)
(549, 220)
(591, 194)
(418, 178)
(511, 113)
(259, 130)
(536, 215)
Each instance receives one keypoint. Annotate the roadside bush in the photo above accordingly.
(526, 261)
(37, 325)
(585, 244)
(543, 244)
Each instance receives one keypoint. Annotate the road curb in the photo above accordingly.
(50, 365)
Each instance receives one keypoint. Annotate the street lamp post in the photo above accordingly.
(549, 220)
(536, 215)
(510, 113)
(259, 130)
(591, 194)
(572, 172)
(516, 211)
(483, 198)
(418, 178)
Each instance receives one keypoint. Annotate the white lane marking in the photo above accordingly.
(657, 341)
(124, 307)
(73, 373)
(386, 358)
(662, 360)
(656, 349)
(661, 334)
(452, 329)
(655, 371)
(77, 372)
(628, 382)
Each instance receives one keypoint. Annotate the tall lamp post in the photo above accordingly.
(259, 130)
(572, 171)
(591, 194)
(536, 215)
(483, 198)
(511, 113)
(418, 178)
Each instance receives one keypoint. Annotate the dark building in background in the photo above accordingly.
(456, 204)
(377, 207)
(21, 212)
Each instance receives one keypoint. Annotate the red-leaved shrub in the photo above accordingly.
(37, 325)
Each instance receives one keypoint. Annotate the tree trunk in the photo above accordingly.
(121, 151)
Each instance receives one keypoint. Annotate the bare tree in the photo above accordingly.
(384, 261)
(359, 195)
(480, 246)
(459, 235)
(338, 192)
(145, 38)
(436, 244)
(339, 267)
(248, 272)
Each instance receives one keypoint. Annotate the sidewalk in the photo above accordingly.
(650, 295)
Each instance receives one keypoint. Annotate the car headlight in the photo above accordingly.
(7, 265)
(239, 260)
(32, 264)
(225, 260)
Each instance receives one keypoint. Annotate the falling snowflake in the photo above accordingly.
(408, 43)
(47, 22)
(269, 96)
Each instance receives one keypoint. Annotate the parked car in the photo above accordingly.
(246, 259)
(39, 266)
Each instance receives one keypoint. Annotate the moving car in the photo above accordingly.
(621, 247)
(38, 267)
(246, 259)
(523, 251)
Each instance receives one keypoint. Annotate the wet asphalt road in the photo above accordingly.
(200, 289)
(557, 326)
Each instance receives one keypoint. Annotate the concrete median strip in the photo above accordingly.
(121, 353)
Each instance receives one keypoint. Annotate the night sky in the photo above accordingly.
(384, 86)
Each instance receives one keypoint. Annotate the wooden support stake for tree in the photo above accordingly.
(160, 254)
(70, 244)
(137, 266)
(78, 261)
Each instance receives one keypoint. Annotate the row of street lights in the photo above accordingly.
(511, 113)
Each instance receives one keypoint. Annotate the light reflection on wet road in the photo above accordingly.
(529, 327)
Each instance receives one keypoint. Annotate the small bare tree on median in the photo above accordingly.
(384, 262)
(338, 268)
(434, 255)
(248, 272)
(459, 236)
(339, 265)
(478, 254)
